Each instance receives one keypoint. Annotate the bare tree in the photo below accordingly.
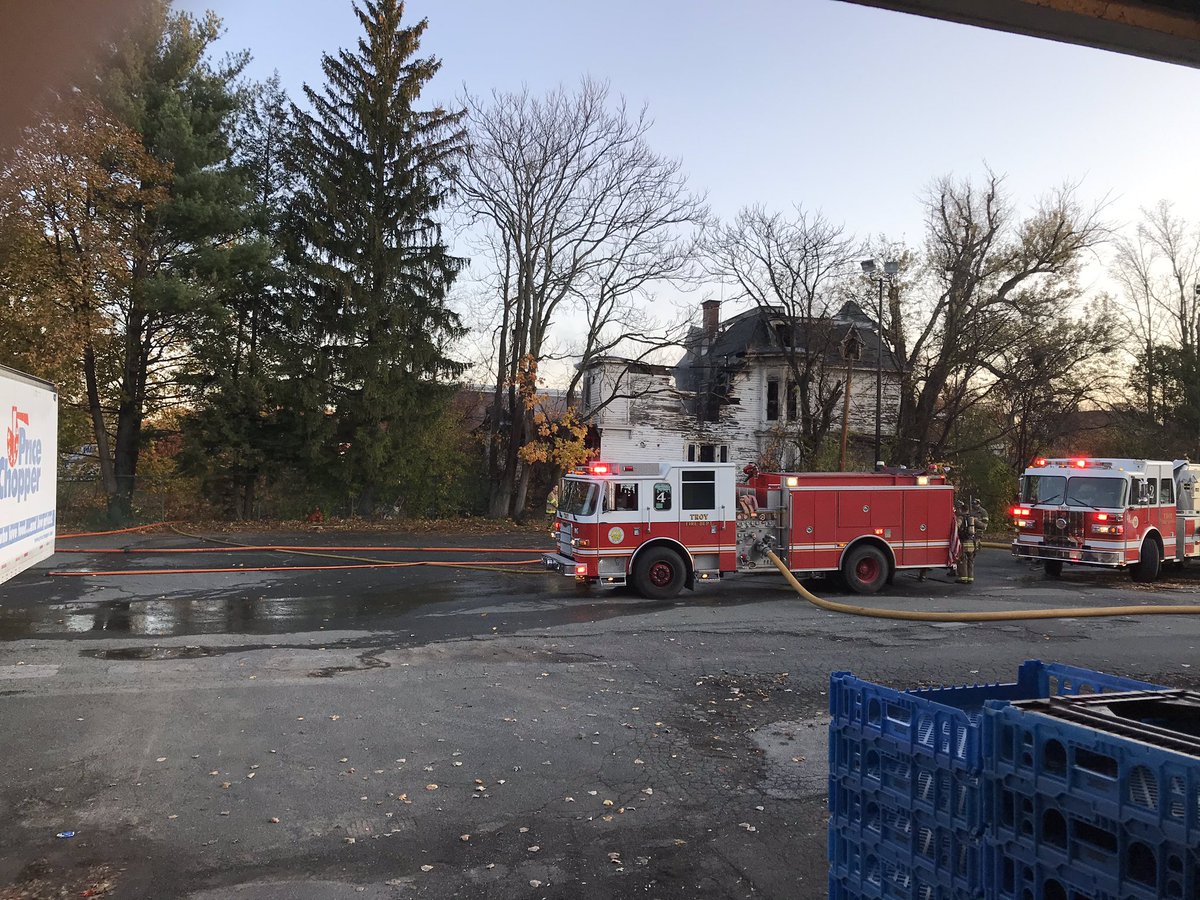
(1132, 268)
(1061, 365)
(991, 284)
(1158, 268)
(791, 268)
(580, 218)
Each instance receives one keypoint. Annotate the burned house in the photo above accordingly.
(735, 396)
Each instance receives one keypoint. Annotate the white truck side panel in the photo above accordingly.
(28, 471)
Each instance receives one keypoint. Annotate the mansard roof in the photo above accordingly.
(762, 334)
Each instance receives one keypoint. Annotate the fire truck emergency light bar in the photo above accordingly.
(1042, 462)
(598, 468)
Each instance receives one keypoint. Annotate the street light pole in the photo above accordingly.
(890, 268)
(851, 352)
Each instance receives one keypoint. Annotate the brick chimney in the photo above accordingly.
(711, 319)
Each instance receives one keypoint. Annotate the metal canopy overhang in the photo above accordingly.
(1165, 30)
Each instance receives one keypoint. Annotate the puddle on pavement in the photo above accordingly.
(144, 653)
(182, 615)
(427, 612)
(368, 660)
(796, 754)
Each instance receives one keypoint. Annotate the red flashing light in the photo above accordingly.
(600, 469)
(1041, 461)
(1020, 512)
(1079, 463)
(581, 569)
(1101, 517)
(879, 532)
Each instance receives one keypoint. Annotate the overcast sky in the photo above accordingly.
(841, 108)
(836, 106)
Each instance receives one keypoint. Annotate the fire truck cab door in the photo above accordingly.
(1164, 517)
(1148, 513)
(702, 516)
(622, 506)
(660, 507)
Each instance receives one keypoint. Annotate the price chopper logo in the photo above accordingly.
(21, 467)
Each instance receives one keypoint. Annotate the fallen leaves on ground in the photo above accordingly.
(38, 881)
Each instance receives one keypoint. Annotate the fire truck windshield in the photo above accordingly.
(578, 498)
(1096, 492)
(1042, 488)
(1075, 491)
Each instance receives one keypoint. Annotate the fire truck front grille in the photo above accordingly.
(1063, 527)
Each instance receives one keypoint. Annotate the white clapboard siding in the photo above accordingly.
(657, 421)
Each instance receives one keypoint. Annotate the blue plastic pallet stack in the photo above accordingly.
(909, 783)
(1081, 813)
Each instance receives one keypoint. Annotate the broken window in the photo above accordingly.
(772, 399)
(708, 453)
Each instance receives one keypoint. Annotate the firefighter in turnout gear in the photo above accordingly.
(972, 523)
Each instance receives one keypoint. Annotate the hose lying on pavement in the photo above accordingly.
(484, 566)
(83, 534)
(998, 615)
(325, 554)
(281, 548)
(357, 562)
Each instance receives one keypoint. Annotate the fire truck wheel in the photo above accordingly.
(659, 573)
(865, 569)
(1053, 567)
(1149, 562)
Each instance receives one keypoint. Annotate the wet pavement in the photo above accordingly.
(413, 732)
(264, 603)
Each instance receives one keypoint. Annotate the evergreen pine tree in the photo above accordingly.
(158, 82)
(239, 428)
(375, 172)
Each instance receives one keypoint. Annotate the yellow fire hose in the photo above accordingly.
(999, 615)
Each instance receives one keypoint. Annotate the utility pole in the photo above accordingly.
(851, 352)
(890, 268)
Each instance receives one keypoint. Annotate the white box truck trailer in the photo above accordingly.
(28, 470)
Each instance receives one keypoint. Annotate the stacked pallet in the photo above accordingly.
(985, 791)
(1096, 798)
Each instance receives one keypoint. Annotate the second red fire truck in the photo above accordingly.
(664, 526)
(1116, 513)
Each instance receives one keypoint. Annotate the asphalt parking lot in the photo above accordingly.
(467, 732)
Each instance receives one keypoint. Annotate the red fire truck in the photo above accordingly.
(1115, 513)
(664, 526)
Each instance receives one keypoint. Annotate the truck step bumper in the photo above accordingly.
(1068, 554)
(556, 562)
